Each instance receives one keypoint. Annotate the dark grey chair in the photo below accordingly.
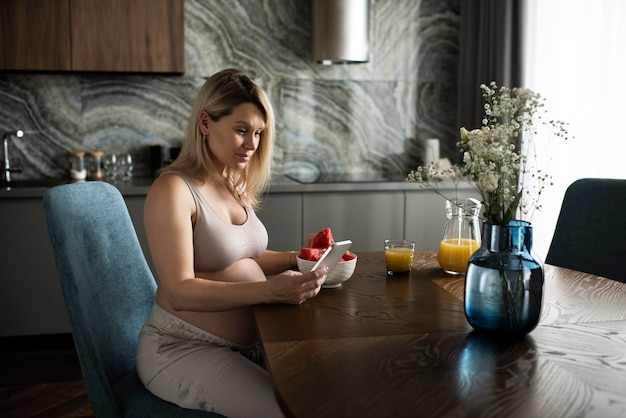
(590, 234)
(108, 290)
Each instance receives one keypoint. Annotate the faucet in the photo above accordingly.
(8, 169)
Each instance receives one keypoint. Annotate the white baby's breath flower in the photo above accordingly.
(488, 182)
(498, 157)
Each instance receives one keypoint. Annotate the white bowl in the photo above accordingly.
(342, 271)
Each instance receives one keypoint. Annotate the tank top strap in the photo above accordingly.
(197, 197)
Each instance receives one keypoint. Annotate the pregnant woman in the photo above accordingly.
(199, 348)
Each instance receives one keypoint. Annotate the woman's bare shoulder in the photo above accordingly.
(169, 188)
(169, 183)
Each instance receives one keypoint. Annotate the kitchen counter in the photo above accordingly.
(36, 188)
(278, 184)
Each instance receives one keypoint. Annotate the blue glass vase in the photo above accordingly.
(504, 281)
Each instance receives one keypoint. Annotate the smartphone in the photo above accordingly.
(332, 255)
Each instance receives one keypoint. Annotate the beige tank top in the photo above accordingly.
(218, 244)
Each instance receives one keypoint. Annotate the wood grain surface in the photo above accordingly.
(401, 347)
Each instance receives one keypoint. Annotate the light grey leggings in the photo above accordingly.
(195, 369)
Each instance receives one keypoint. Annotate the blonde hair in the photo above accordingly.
(219, 95)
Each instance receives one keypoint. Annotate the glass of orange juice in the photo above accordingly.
(398, 256)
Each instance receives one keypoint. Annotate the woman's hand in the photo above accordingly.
(294, 287)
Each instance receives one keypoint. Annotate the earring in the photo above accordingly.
(204, 137)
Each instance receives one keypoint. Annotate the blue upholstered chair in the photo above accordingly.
(590, 234)
(108, 290)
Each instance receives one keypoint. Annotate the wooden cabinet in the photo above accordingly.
(35, 35)
(128, 35)
(92, 35)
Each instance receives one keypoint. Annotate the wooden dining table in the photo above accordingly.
(400, 346)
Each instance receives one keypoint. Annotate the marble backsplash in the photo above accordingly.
(372, 117)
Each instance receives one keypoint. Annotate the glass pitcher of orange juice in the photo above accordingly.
(461, 235)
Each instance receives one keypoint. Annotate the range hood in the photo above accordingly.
(341, 31)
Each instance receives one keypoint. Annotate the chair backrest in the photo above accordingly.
(106, 282)
(590, 234)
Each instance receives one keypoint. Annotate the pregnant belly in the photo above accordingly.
(236, 325)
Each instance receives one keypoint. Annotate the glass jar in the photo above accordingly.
(461, 235)
(95, 166)
(77, 166)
